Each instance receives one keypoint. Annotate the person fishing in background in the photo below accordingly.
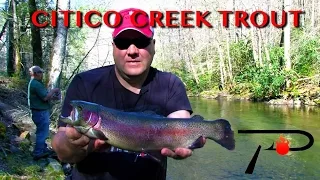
(128, 84)
(38, 102)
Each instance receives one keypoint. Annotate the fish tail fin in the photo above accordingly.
(222, 134)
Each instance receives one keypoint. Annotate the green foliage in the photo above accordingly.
(242, 54)
(51, 173)
(267, 82)
(187, 78)
(207, 80)
(263, 82)
(20, 165)
(306, 57)
(32, 169)
(276, 54)
(242, 89)
(18, 83)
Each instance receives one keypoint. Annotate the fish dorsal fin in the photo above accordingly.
(197, 117)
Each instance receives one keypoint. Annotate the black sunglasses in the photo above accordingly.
(124, 43)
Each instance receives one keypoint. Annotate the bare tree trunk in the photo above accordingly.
(10, 38)
(189, 57)
(23, 35)
(287, 29)
(260, 48)
(16, 30)
(303, 19)
(3, 30)
(265, 44)
(313, 14)
(193, 70)
(221, 65)
(36, 37)
(254, 47)
(179, 44)
(318, 18)
(59, 47)
(208, 61)
(229, 59)
(234, 29)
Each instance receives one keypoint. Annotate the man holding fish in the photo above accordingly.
(131, 84)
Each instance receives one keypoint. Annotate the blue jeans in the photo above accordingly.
(42, 122)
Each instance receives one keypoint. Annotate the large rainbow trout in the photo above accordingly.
(142, 132)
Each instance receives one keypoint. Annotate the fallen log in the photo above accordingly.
(16, 117)
(7, 113)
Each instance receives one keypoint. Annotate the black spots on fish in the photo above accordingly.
(197, 117)
(223, 124)
(223, 134)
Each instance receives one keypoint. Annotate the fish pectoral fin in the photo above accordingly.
(154, 158)
(199, 143)
(149, 154)
(97, 134)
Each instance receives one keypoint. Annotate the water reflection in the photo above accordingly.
(215, 162)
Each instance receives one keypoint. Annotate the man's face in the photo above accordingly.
(133, 52)
(39, 75)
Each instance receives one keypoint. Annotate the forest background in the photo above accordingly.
(252, 63)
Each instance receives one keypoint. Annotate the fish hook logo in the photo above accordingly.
(282, 145)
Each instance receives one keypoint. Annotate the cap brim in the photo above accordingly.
(149, 35)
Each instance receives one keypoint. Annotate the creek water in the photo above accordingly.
(215, 162)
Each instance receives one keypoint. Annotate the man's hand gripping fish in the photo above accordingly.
(142, 132)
